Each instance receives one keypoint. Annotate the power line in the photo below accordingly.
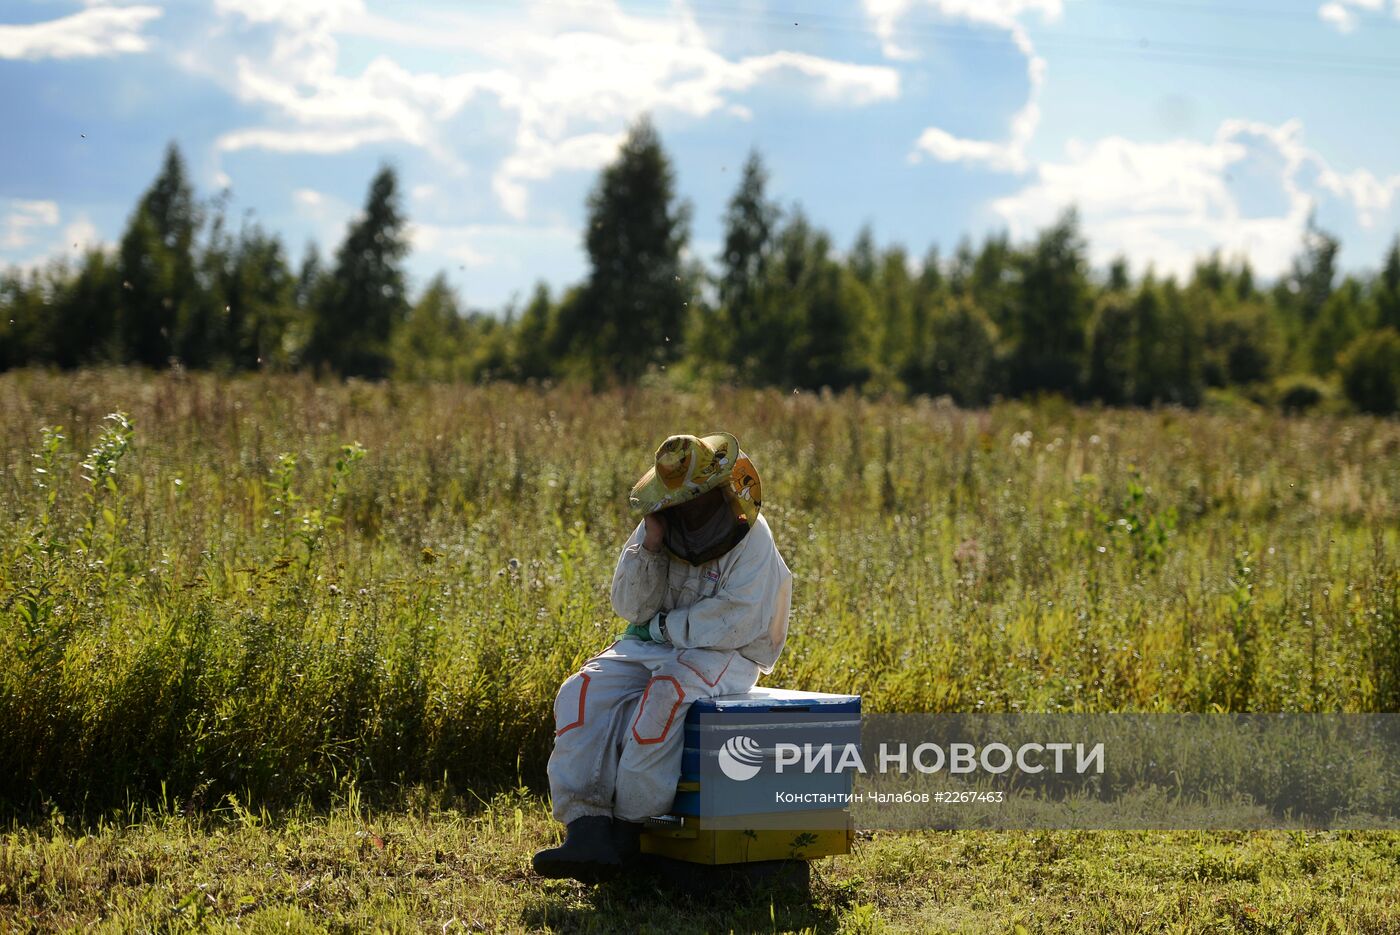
(1270, 12)
(1205, 53)
(1084, 46)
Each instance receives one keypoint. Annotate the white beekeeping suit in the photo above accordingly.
(703, 627)
(726, 622)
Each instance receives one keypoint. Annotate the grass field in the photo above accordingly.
(424, 867)
(249, 597)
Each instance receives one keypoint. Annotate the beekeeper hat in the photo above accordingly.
(690, 465)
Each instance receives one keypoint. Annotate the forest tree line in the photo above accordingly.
(782, 305)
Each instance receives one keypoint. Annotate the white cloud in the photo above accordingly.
(308, 198)
(1336, 14)
(459, 244)
(1005, 14)
(328, 214)
(1164, 203)
(21, 221)
(1344, 15)
(95, 31)
(1370, 195)
(303, 141)
(835, 82)
(491, 246)
(300, 14)
(81, 234)
(605, 80)
(570, 75)
(1170, 203)
(884, 14)
(33, 232)
(537, 158)
(1008, 155)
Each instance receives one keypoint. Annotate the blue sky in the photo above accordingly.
(1176, 126)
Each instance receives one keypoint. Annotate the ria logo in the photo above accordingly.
(740, 758)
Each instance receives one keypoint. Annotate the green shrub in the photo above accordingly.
(1371, 371)
(1300, 393)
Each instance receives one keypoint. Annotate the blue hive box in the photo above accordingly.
(767, 715)
(717, 820)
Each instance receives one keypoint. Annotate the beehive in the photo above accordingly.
(704, 829)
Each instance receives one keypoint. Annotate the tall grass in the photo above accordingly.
(266, 586)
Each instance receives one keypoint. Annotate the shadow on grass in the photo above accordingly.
(653, 903)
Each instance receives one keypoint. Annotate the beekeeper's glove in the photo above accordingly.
(638, 631)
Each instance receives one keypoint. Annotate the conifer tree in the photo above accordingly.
(1051, 310)
(631, 311)
(750, 224)
(156, 259)
(354, 314)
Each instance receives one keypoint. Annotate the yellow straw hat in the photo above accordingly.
(689, 465)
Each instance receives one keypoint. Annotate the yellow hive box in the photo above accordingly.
(686, 838)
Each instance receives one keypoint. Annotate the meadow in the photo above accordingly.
(274, 650)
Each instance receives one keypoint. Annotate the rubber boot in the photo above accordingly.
(588, 854)
(627, 839)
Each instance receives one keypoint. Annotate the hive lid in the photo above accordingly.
(771, 698)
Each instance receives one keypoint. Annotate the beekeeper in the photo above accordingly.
(706, 595)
